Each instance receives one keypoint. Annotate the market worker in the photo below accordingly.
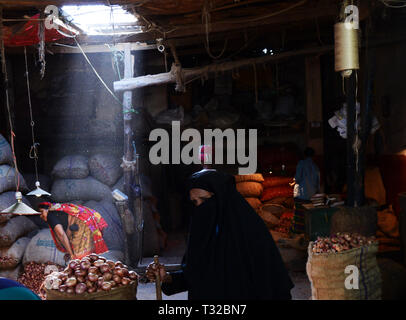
(75, 229)
(230, 253)
(13, 290)
(306, 184)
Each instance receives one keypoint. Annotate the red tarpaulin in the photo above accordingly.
(27, 34)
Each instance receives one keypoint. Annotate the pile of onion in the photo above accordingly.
(340, 242)
(94, 274)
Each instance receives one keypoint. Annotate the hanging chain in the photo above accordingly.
(34, 150)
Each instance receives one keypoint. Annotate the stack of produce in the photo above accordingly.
(250, 187)
(13, 229)
(285, 222)
(88, 277)
(335, 262)
(277, 190)
(80, 178)
(340, 242)
(34, 275)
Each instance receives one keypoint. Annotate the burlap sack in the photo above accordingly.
(255, 203)
(6, 156)
(257, 177)
(71, 167)
(12, 256)
(249, 189)
(8, 179)
(14, 229)
(326, 272)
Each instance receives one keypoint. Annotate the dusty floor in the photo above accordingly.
(173, 256)
(301, 291)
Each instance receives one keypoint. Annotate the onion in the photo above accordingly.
(63, 276)
(93, 257)
(81, 279)
(107, 286)
(100, 281)
(62, 288)
(103, 258)
(107, 276)
(104, 268)
(132, 275)
(71, 282)
(92, 277)
(89, 284)
(73, 263)
(80, 273)
(125, 281)
(70, 290)
(85, 265)
(117, 278)
(119, 264)
(125, 271)
(98, 263)
(80, 288)
(93, 269)
(111, 264)
(119, 271)
(91, 290)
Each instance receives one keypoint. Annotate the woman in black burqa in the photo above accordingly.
(230, 252)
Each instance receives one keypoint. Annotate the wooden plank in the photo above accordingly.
(100, 48)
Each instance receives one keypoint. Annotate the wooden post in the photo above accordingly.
(128, 134)
(314, 105)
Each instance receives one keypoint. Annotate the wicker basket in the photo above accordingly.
(119, 293)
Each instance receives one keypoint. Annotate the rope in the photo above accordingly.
(33, 151)
(4, 68)
(41, 47)
(206, 22)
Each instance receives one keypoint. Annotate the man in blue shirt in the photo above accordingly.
(306, 184)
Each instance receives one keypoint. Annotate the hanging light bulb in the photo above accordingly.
(20, 208)
(38, 192)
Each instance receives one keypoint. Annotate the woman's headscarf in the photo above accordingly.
(231, 254)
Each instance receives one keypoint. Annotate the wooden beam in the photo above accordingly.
(187, 74)
(100, 48)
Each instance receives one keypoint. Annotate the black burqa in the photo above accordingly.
(230, 252)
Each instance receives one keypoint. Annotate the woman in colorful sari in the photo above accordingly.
(76, 230)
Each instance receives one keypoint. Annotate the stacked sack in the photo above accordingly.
(84, 181)
(13, 229)
(250, 187)
(277, 199)
(80, 178)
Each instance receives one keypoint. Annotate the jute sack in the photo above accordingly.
(105, 168)
(249, 189)
(12, 273)
(254, 202)
(6, 156)
(326, 272)
(256, 177)
(8, 179)
(66, 190)
(14, 229)
(11, 257)
(71, 167)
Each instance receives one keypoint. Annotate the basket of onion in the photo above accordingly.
(92, 278)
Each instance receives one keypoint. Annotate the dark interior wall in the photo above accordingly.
(72, 110)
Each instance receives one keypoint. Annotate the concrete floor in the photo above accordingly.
(172, 256)
(301, 291)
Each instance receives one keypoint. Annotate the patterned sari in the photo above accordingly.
(88, 238)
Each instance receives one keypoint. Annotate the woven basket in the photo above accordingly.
(120, 293)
